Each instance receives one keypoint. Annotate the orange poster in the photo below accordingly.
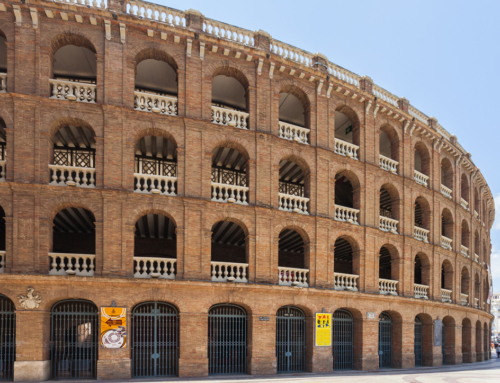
(113, 327)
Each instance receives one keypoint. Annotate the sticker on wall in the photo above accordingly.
(113, 327)
(323, 330)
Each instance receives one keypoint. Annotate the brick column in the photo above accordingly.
(114, 364)
(261, 354)
(193, 358)
(318, 359)
(366, 344)
(404, 336)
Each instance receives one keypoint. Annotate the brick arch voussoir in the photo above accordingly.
(233, 69)
(6, 205)
(230, 216)
(152, 208)
(297, 301)
(157, 295)
(448, 263)
(54, 206)
(300, 227)
(419, 143)
(354, 239)
(303, 159)
(155, 51)
(303, 93)
(391, 130)
(229, 299)
(71, 35)
(395, 190)
(395, 248)
(228, 141)
(55, 295)
(351, 109)
(76, 119)
(7, 118)
(349, 171)
(7, 30)
(396, 316)
(139, 131)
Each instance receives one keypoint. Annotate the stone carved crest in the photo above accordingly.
(30, 301)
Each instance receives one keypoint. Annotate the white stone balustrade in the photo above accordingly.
(388, 224)
(290, 276)
(2, 261)
(229, 272)
(223, 116)
(476, 215)
(446, 191)
(464, 251)
(3, 82)
(82, 265)
(291, 53)
(228, 32)
(476, 303)
(387, 287)
(464, 299)
(346, 149)
(346, 281)
(420, 178)
(446, 295)
(2, 170)
(149, 102)
(293, 133)
(388, 164)
(476, 258)
(102, 4)
(72, 176)
(446, 242)
(464, 204)
(346, 214)
(382, 94)
(229, 193)
(73, 91)
(293, 203)
(420, 291)
(155, 267)
(154, 184)
(421, 234)
(155, 12)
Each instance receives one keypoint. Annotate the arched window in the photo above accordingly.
(446, 281)
(155, 247)
(346, 132)
(388, 273)
(292, 266)
(388, 149)
(389, 209)
(446, 229)
(293, 188)
(421, 276)
(446, 177)
(294, 115)
(346, 265)
(230, 100)
(465, 239)
(229, 253)
(464, 287)
(73, 162)
(422, 219)
(229, 176)
(422, 164)
(346, 198)
(3, 62)
(155, 166)
(464, 192)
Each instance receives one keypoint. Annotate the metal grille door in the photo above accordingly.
(417, 341)
(227, 340)
(74, 340)
(155, 340)
(291, 339)
(385, 340)
(7, 338)
(443, 347)
(342, 340)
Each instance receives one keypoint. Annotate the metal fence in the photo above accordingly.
(155, 166)
(229, 177)
(342, 340)
(291, 339)
(82, 158)
(385, 340)
(417, 342)
(7, 338)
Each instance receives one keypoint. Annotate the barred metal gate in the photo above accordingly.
(443, 345)
(291, 339)
(417, 342)
(385, 340)
(7, 338)
(342, 340)
(155, 340)
(74, 340)
(227, 340)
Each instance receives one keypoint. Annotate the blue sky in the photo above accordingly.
(443, 56)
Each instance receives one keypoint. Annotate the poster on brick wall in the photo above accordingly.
(323, 331)
(113, 327)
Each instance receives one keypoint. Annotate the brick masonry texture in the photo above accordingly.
(30, 203)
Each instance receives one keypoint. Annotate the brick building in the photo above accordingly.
(223, 187)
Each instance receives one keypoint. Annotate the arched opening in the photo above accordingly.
(421, 164)
(465, 239)
(446, 177)
(346, 198)
(385, 340)
(155, 337)
(477, 290)
(8, 336)
(3, 147)
(423, 340)
(73, 162)
(346, 132)
(290, 339)
(464, 286)
(486, 290)
(74, 339)
(477, 203)
(477, 245)
(293, 188)
(421, 276)
(466, 340)
(227, 340)
(417, 341)
(389, 149)
(3, 238)
(293, 263)
(155, 247)
(422, 219)
(229, 252)
(479, 342)
(388, 270)
(389, 209)
(446, 281)
(464, 192)
(155, 166)
(446, 229)
(73, 244)
(294, 115)
(343, 340)
(3, 62)
(346, 264)
(448, 340)
(230, 99)
(229, 176)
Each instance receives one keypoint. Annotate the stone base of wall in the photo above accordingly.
(32, 371)
(189, 367)
(114, 369)
(262, 366)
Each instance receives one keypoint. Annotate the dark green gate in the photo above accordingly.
(291, 339)
(417, 341)
(342, 340)
(7, 338)
(385, 340)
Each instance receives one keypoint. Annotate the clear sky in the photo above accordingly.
(443, 56)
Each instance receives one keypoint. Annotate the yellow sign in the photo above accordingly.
(323, 331)
(113, 327)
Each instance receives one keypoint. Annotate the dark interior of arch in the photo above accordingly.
(74, 231)
(155, 237)
(3, 140)
(443, 276)
(228, 243)
(151, 151)
(229, 167)
(156, 76)
(291, 249)
(291, 110)
(417, 271)
(418, 215)
(343, 257)
(385, 263)
(74, 146)
(75, 63)
(446, 173)
(464, 283)
(291, 178)
(2, 229)
(343, 191)
(3, 54)
(343, 128)
(227, 92)
(385, 203)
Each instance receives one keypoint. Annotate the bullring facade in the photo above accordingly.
(223, 187)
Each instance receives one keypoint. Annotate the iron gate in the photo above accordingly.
(443, 346)
(74, 340)
(291, 339)
(342, 340)
(7, 338)
(417, 341)
(227, 340)
(155, 340)
(385, 340)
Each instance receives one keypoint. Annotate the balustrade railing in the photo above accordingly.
(476, 258)
(79, 157)
(228, 32)
(293, 203)
(2, 261)
(155, 103)
(155, 12)
(293, 133)
(388, 287)
(420, 178)
(72, 176)
(155, 175)
(292, 53)
(229, 186)
(382, 94)
(464, 204)
(464, 251)
(223, 116)
(346, 214)
(464, 299)
(100, 4)
(388, 224)
(388, 164)
(345, 281)
(346, 149)
(3, 82)
(446, 295)
(446, 242)
(73, 91)
(446, 191)
(421, 234)
(155, 267)
(72, 264)
(290, 276)
(420, 291)
(476, 215)
(476, 303)
(229, 272)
